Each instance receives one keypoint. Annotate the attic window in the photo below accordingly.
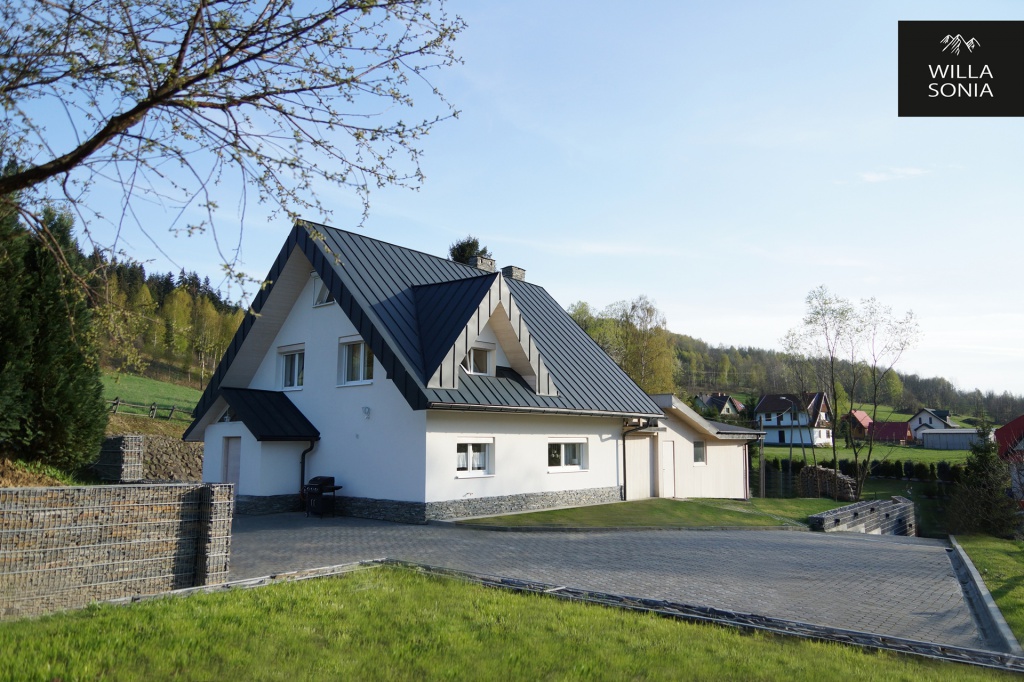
(479, 361)
(323, 293)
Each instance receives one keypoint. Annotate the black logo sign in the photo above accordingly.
(961, 68)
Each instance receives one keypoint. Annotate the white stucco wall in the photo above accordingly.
(724, 475)
(520, 450)
(378, 454)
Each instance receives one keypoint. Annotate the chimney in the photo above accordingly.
(512, 272)
(482, 263)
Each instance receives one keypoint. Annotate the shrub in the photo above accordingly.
(932, 476)
(896, 469)
(921, 471)
(943, 471)
(908, 469)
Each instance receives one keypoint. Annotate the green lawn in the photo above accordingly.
(668, 513)
(396, 624)
(144, 391)
(889, 452)
(1001, 565)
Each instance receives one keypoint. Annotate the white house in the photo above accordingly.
(429, 389)
(926, 420)
(701, 458)
(804, 419)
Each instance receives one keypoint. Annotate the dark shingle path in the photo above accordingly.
(902, 587)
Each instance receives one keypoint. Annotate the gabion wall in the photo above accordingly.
(894, 516)
(63, 548)
(131, 458)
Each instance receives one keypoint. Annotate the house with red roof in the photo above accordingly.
(859, 422)
(1010, 439)
(897, 433)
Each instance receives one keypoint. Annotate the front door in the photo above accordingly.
(667, 483)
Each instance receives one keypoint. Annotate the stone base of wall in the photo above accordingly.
(880, 517)
(421, 512)
(509, 504)
(258, 505)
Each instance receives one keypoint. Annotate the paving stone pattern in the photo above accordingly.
(903, 587)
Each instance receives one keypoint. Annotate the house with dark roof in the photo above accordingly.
(722, 404)
(800, 419)
(926, 420)
(429, 389)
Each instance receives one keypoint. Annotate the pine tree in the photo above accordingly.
(981, 503)
(15, 328)
(65, 415)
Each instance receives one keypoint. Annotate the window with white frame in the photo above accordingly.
(474, 459)
(700, 455)
(355, 362)
(568, 455)
(293, 366)
(323, 295)
(479, 361)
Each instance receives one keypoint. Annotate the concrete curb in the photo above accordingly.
(990, 618)
(588, 529)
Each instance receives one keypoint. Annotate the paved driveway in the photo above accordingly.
(903, 587)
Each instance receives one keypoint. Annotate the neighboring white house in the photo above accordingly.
(926, 420)
(798, 419)
(429, 389)
(699, 457)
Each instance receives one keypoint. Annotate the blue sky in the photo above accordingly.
(723, 158)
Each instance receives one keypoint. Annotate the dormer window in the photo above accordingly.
(479, 361)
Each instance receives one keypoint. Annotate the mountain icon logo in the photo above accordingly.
(953, 44)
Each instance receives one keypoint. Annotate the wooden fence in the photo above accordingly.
(153, 411)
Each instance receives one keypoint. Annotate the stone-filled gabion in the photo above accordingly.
(879, 517)
(64, 548)
(134, 457)
(813, 479)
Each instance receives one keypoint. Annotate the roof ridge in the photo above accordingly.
(381, 241)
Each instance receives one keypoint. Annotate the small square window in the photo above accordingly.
(294, 366)
(477, 361)
(473, 459)
(355, 363)
(699, 452)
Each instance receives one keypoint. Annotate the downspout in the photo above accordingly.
(624, 434)
(302, 466)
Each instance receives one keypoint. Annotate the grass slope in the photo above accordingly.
(394, 624)
(1001, 565)
(666, 513)
(144, 391)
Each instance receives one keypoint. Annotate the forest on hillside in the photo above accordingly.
(634, 334)
(174, 328)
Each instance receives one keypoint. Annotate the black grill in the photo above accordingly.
(320, 494)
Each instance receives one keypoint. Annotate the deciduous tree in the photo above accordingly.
(854, 350)
(167, 99)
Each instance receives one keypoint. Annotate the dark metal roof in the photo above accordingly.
(812, 403)
(269, 415)
(726, 428)
(407, 305)
(443, 310)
